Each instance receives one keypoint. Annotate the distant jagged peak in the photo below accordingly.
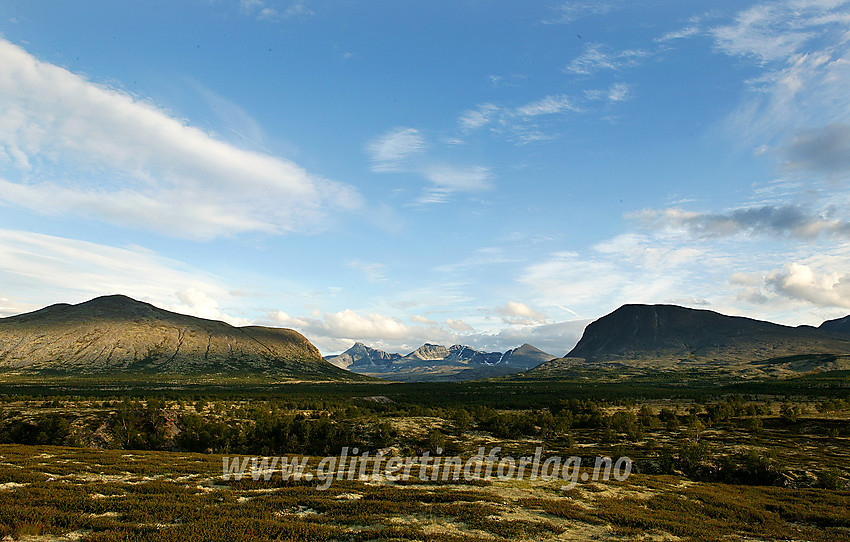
(362, 356)
(430, 352)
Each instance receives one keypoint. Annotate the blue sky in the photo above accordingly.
(405, 172)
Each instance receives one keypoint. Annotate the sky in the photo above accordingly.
(465, 172)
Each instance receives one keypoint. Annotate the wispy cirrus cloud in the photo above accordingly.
(802, 47)
(448, 180)
(512, 80)
(549, 105)
(463, 179)
(796, 109)
(393, 150)
(682, 33)
(767, 32)
(532, 121)
(479, 117)
(570, 11)
(70, 146)
(263, 10)
(403, 150)
(598, 57)
(618, 92)
(512, 117)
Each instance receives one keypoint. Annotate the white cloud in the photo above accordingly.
(334, 332)
(347, 324)
(618, 92)
(419, 319)
(197, 302)
(512, 80)
(38, 270)
(432, 195)
(687, 32)
(86, 149)
(652, 254)
(549, 105)
(516, 313)
(803, 49)
(570, 11)
(392, 150)
(450, 178)
(629, 268)
(233, 118)
(597, 57)
(10, 307)
(458, 326)
(799, 281)
(402, 150)
(764, 31)
(807, 290)
(520, 123)
(566, 278)
(262, 11)
(476, 118)
(556, 338)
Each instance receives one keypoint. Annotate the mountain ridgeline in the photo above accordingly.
(438, 362)
(117, 334)
(839, 325)
(672, 336)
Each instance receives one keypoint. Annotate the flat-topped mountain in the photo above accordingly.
(119, 334)
(433, 361)
(666, 333)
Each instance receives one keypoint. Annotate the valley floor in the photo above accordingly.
(63, 493)
(103, 463)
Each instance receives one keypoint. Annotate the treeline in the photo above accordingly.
(322, 427)
(203, 427)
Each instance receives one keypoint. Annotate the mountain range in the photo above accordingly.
(117, 334)
(438, 362)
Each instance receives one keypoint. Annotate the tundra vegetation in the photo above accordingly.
(131, 460)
